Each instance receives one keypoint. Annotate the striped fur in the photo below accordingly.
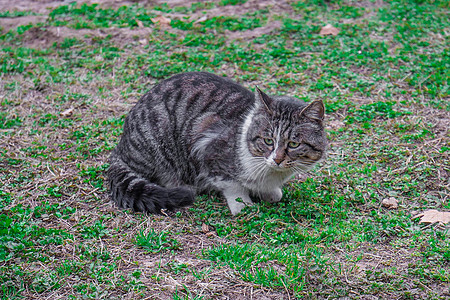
(197, 132)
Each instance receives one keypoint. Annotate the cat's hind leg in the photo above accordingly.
(129, 189)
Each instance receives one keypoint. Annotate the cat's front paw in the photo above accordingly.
(237, 197)
(272, 197)
(236, 207)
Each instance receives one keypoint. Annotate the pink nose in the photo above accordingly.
(278, 160)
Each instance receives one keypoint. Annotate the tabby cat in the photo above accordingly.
(198, 132)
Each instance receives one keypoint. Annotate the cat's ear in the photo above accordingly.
(314, 111)
(265, 99)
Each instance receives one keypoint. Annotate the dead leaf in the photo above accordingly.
(139, 23)
(432, 216)
(161, 20)
(208, 230)
(67, 112)
(202, 19)
(329, 29)
(390, 203)
(143, 42)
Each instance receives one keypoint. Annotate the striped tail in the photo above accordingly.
(131, 191)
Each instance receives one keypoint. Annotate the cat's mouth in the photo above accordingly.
(281, 166)
(299, 165)
(278, 167)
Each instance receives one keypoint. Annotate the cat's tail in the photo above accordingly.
(129, 190)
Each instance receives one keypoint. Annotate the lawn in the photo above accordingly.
(70, 72)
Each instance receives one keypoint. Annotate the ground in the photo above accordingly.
(70, 72)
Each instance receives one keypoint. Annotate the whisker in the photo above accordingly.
(261, 173)
(257, 163)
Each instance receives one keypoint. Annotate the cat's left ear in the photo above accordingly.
(265, 99)
(315, 111)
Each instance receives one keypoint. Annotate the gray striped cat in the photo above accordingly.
(198, 132)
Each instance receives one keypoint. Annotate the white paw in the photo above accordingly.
(237, 198)
(236, 207)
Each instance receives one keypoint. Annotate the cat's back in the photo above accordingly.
(181, 107)
(199, 92)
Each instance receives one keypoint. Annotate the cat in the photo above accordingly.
(198, 132)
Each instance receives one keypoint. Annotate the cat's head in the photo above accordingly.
(287, 133)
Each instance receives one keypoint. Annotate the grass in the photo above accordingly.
(67, 83)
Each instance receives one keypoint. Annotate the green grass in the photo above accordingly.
(16, 13)
(90, 16)
(156, 242)
(385, 83)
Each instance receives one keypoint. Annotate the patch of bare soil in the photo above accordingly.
(36, 6)
(38, 37)
(368, 3)
(10, 23)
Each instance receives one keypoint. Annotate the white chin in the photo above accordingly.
(276, 167)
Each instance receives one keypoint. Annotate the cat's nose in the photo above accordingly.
(278, 160)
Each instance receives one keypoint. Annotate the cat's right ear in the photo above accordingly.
(265, 99)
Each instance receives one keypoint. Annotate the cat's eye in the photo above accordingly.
(268, 141)
(293, 144)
